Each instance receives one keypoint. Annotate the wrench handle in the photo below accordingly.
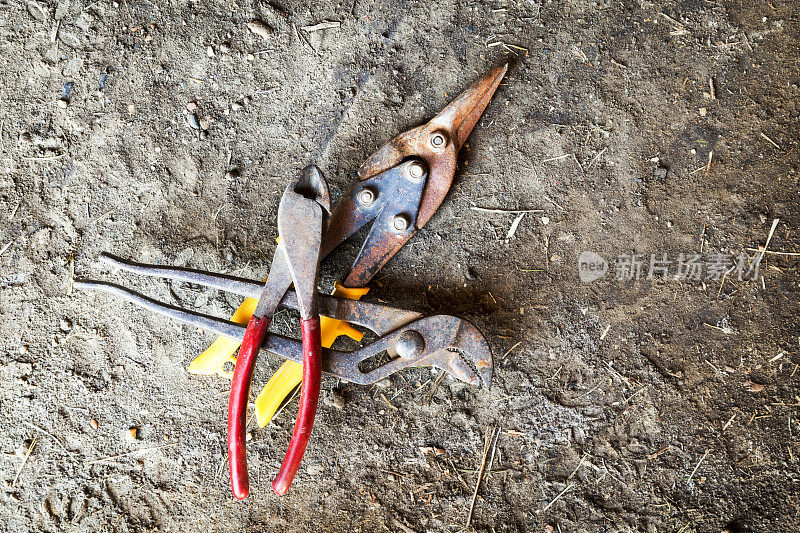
(309, 398)
(254, 337)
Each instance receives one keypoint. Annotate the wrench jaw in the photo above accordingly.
(474, 346)
(450, 344)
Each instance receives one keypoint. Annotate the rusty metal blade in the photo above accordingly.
(461, 115)
(437, 142)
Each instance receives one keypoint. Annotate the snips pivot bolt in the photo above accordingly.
(415, 170)
(366, 197)
(438, 140)
(400, 223)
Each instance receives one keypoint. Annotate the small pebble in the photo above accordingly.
(249, 436)
(236, 106)
(191, 119)
(93, 423)
(315, 470)
(260, 28)
(65, 325)
(205, 122)
(224, 48)
(131, 109)
(210, 52)
(250, 57)
(471, 274)
(703, 111)
(545, 220)
(63, 103)
(578, 436)
(191, 106)
(133, 433)
(336, 400)
(660, 173)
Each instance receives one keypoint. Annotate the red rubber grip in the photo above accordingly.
(254, 337)
(309, 398)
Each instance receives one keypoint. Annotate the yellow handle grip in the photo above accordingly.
(290, 374)
(212, 360)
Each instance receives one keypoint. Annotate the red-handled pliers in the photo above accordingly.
(301, 217)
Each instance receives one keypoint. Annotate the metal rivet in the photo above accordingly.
(438, 140)
(400, 222)
(409, 344)
(366, 197)
(415, 170)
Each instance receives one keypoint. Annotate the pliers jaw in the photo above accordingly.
(469, 344)
(302, 214)
(300, 223)
(310, 183)
(437, 142)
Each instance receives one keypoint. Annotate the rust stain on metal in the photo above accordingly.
(437, 142)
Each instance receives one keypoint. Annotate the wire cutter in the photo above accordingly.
(400, 187)
(300, 224)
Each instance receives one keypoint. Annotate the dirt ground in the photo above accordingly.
(618, 404)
